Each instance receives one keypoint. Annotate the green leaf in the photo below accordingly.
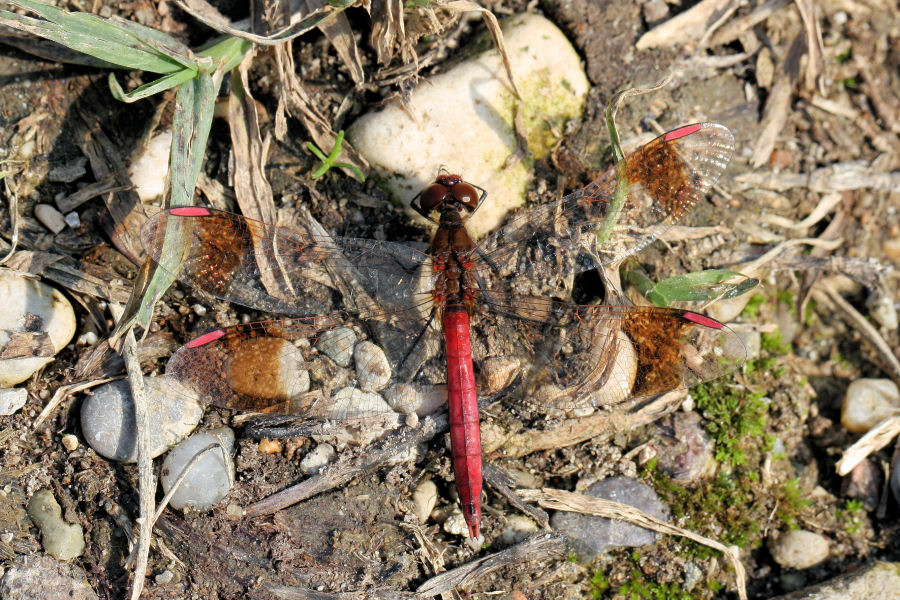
(704, 286)
(148, 89)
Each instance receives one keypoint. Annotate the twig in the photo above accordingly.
(146, 481)
(603, 425)
(877, 438)
(572, 502)
(538, 547)
(867, 330)
(753, 267)
(63, 391)
(178, 481)
(343, 471)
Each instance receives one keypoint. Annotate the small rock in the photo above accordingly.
(456, 524)
(149, 167)
(875, 581)
(799, 549)
(867, 402)
(422, 400)
(29, 305)
(765, 68)
(73, 220)
(267, 446)
(372, 368)
(317, 458)
(68, 172)
(891, 249)
(39, 577)
(365, 416)
(684, 452)
(655, 11)
(70, 442)
(50, 218)
(11, 400)
(211, 477)
(107, 418)
(424, 499)
(593, 535)
(518, 527)
(337, 345)
(863, 483)
(497, 372)
(411, 139)
(883, 310)
(163, 578)
(61, 540)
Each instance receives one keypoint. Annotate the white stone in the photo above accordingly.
(50, 218)
(149, 167)
(29, 305)
(108, 425)
(799, 549)
(463, 119)
(726, 310)
(317, 458)
(424, 499)
(337, 345)
(11, 400)
(361, 417)
(884, 310)
(373, 371)
(456, 524)
(867, 402)
(420, 400)
(211, 477)
(73, 220)
(518, 527)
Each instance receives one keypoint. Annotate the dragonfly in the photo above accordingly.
(437, 314)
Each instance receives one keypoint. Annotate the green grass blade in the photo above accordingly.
(148, 89)
(100, 38)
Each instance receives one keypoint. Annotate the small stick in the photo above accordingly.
(63, 392)
(868, 331)
(572, 502)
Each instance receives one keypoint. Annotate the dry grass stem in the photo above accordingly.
(63, 392)
(874, 440)
(825, 294)
(600, 507)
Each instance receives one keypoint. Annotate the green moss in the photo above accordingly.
(791, 503)
(774, 343)
(851, 515)
(736, 418)
(753, 305)
(599, 584)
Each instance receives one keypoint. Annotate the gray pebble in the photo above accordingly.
(593, 535)
(107, 418)
(39, 577)
(211, 477)
(372, 368)
(337, 345)
(61, 540)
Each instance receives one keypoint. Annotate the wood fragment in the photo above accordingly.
(688, 26)
(734, 28)
(815, 48)
(25, 344)
(778, 104)
(601, 425)
(344, 470)
(539, 546)
(838, 177)
(89, 192)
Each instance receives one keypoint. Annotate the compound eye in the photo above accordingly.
(432, 197)
(465, 194)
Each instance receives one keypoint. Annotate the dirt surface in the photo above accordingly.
(775, 424)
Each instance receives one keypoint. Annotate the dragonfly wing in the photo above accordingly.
(282, 271)
(663, 180)
(575, 356)
(277, 367)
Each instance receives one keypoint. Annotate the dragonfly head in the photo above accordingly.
(448, 191)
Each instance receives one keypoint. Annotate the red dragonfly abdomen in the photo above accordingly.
(465, 433)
